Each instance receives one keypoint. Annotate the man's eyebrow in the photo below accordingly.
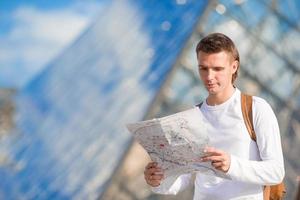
(218, 67)
(210, 67)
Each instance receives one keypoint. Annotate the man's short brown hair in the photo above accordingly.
(217, 42)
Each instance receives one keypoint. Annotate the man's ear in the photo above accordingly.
(234, 65)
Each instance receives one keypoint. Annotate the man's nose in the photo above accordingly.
(210, 74)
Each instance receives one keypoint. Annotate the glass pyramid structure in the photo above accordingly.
(138, 61)
(70, 134)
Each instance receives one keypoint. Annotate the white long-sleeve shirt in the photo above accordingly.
(253, 164)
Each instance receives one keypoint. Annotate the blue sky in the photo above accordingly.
(34, 32)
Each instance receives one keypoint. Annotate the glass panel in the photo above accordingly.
(249, 12)
(284, 85)
(289, 47)
(293, 7)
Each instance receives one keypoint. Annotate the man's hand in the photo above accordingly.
(153, 174)
(220, 160)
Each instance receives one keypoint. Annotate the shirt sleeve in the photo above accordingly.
(179, 184)
(270, 170)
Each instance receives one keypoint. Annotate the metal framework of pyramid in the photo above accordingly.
(136, 61)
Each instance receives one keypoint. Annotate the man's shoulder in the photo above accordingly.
(261, 106)
(256, 99)
(259, 103)
(259, 100)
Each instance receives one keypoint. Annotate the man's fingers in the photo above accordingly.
(212, 151)
(151, 168)
(221, 165)
(153, 171)
(154, 183)
(154, 180)
(213, 158)
(220, 168)
(155, 177)
(219, 159)
(153, 174)
(217, 164)
(151, 164)
(150, 172)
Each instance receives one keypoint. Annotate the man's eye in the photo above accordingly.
(218, 68)
(202, 69)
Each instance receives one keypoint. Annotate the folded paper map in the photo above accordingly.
(175, 142)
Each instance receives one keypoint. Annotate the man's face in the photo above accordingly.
(216, 71)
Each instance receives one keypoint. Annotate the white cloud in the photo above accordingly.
(37, 36)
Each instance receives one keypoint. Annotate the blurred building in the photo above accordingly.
(137, 61)
(267, 35)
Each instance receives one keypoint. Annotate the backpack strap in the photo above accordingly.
(273, 192)
(246, 103)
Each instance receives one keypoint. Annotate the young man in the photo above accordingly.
(248, 165)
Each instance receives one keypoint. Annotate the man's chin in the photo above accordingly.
(212, 91)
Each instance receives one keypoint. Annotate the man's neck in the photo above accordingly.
(217, 99)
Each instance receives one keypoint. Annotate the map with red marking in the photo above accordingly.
(175, 142)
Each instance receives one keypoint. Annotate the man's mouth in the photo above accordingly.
(210, 85)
